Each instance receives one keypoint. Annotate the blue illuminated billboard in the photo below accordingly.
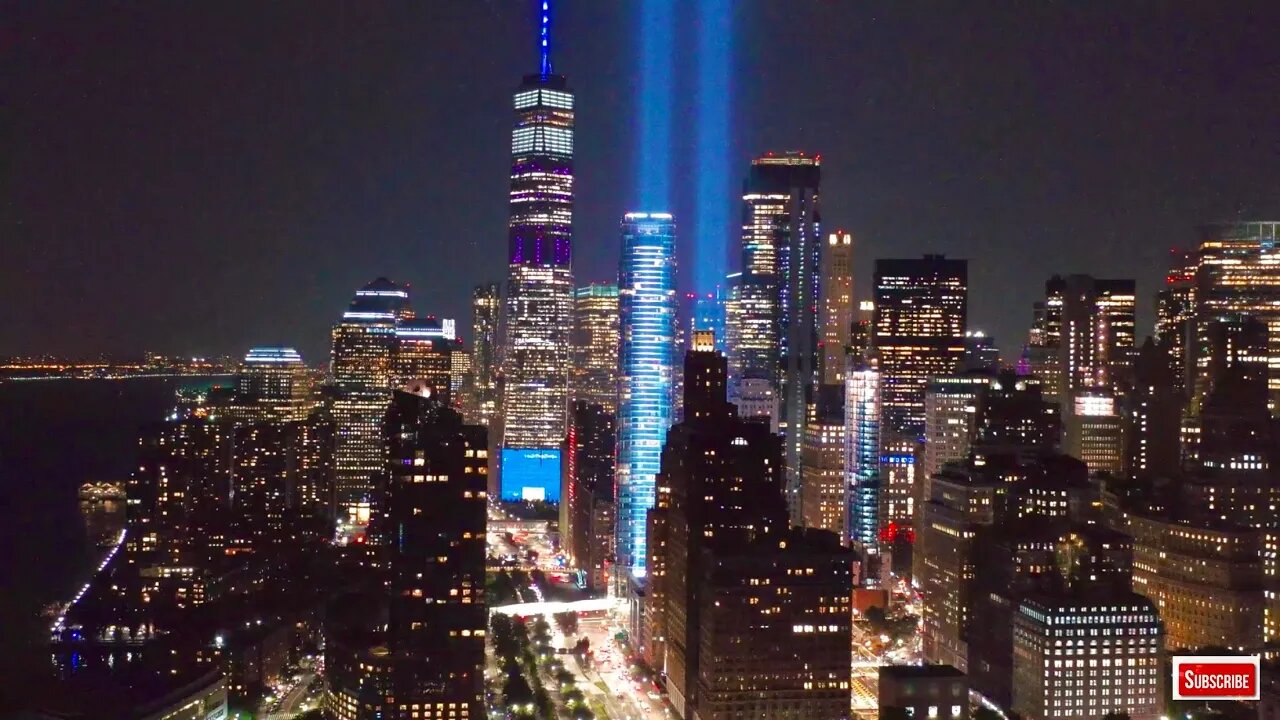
(532, 474)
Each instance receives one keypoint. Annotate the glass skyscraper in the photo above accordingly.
(862, 451)
(780, 291)
(595, 345)
(647, 310)
(539, 300)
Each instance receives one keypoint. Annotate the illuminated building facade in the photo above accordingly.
(179, 497)
(425, 355)
(862, 451)
(1239, 274)
(587, 496)
(1095, 432)
(782, 251)
(755, 398)
(837, 305)
(486, 302)
(647, 309)
(776, 629)
(363, 368)
(1080, 657)
(1090, 324)
(536, 354)
(1205, 579)
(273, 385)
(919, 333)
(950, 419)
(824, 495)
(595, 346)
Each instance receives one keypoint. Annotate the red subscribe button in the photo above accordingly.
(1223, 677)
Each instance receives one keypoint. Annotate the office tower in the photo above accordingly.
(989, 494)
(1034, 550)
(980, 352)
(364, 342)
(424, 355)
(595, 346)
(733, 330)
(1095, 431)
(587, 499)
(436, 510)
(836, 305)
(923, 691)
(273, 385)
(920, 314)
(539, 299)
(781, 273)
(1090, 323)
(897, 486)
(647, 307)
(485, 304)
(1232, 463)
(1176, 312)
(755, 399)
(652, 645)
(1239, 274)
(862, 412)
(722, 477)
(363, 366)
(1152, 408)
(950, 418)
(1205, 579)
(824, 494)
(459, 373)
(1058, 641)
(776, 629)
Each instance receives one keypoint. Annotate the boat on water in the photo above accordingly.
(101, 492)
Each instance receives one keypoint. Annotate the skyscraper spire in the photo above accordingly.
(545, 42)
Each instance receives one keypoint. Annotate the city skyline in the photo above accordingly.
(879, 406)
(253, 193)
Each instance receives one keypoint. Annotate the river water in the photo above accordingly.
(56, 435)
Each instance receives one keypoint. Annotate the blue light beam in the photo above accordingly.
(657, 46)
(713, 192)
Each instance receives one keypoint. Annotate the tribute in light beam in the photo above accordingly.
(713, 192)
(657, 44)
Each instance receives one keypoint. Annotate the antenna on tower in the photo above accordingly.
(545, 41)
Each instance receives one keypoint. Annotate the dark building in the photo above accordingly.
(919, 333)
(436, 510)
(587, 500)
(964, 501)
(923, 691)
(1151, 412)
(1013, 412)
(775, 628)
(980, 352)
(722, 478)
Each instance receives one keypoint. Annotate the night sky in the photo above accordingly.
(195, 178)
